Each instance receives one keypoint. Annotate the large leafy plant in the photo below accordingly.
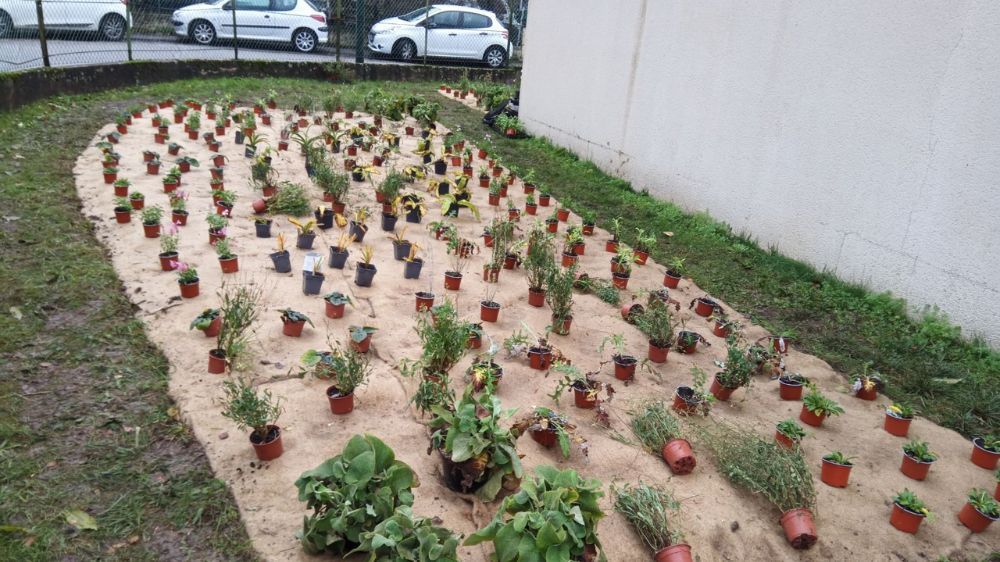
(553, 517)
(351, 494)
(404, 537)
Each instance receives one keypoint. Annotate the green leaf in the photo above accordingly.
(80, 520)
(362, 468)
(548, 536)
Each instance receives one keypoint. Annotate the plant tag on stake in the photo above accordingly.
(309, 262)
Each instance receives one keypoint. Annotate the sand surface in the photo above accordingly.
(721, 522)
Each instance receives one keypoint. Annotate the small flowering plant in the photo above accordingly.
(909, 501)
(168, 242)
(185, 273)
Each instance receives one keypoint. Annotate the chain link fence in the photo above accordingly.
(46, 33)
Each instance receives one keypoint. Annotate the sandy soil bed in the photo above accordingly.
(721, 522)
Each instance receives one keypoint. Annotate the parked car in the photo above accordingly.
(452, 32)
(298, 22)
(105, 18)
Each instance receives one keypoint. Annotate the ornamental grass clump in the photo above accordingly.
(652, 512)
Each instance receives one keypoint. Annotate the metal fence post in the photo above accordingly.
(340, 23)
(236, 48)
(41, 33)
(427, 9)
(359, 32)
(510, 29)
(128, 29)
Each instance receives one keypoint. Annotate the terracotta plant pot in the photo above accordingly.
(905, 520)
(151, 230)
(216, 362)
(834, 474)
(684, 401)
(975, 520)
(982, 457)
(231, 265)
(489, 311)
(657, 354)
(165, 261)
(625, 367)
(568, 260)
(784, 440)
(362, 346)
(540, 358)
(544, 437)
(562, 215)
(678, 456)
(620, 280)
(189, 290)
(895, 425)
(340, 404)
(582, 399)
(293, 329)
(452, 281)
(671, 281)
(562, 327)
(720, 392)
(334, 310)
(915, 469)
(721, 329)
(641, 257)
(424, 301)
(536, 298)
(810, 418)
(123, 217)
(704, 306)
(268, 450)
(867, 394)
(673, 553)
(790, 390)
(800, 530)
(213, 328)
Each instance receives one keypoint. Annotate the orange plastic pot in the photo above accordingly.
(982, 457)
(677, 454)
(790, 391)
(489, 312)
(189, 290)
(784, 440)
(915, 469)
(231, 265)
(671, 281)
(340, 404)
(216, 362)
(539, 358)
(810, 418)
(721, 329)
(895, 425)
(452, 281)
(424, 301)
(905, 520)
(673, 553)
(720, 392)
(657, 354)
(293, 329)
(213, 328)
(536, 298)
(975, 520)
(582, 399)
(625, 368)
(268, 450)
(334, 310)
(834, 474)
(867, 394)
(562, 327)
(800, 530)
(151, 230)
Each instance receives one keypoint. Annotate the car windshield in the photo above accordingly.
(414, 15)
(316, 6)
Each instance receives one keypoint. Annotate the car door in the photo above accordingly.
(474, 35)
(250, 20)
(442, 33)
(284, 19)
(57, 14)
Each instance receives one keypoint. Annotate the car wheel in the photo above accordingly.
(304, 40)
(495, 57)
(404, 49)
(113, 27)
(6, 25)
(202, 32)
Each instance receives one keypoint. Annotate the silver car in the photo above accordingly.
(452, 32)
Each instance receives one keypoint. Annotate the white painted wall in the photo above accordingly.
(862, 137)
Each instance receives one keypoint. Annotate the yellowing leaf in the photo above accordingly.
(81, 520)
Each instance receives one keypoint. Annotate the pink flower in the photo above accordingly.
(172, 230)
(180, 266)
(223, 231)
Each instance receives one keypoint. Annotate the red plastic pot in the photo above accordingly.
(536, 298)
(213, 328)
(544, 437)
(721, 329)
(587, 230)
(121, 191)
(641, 257)
(562, 215)
(915, 469)
(123, 217)
(489, 312)
(231, 265)
(531, 208)
(292, 329)
(475, 341)
(611, 246)
(897, 426)
(152, 169)
(562, 327)
(189, 290)
(269, 450)
(552, 226)
(490, 275)
(179, 219)
(800, 530)
(216, 362)
(678, 456)
(494, 200)
(810, 418)
(539, 358)
(784, 440)
(340, 404)
(424, 301)
(568, 260)
(452, 281)
(704, 306)
(629, 311)
(544, 200)
(867, 394)
(671, 281)
(582, 399)
(620, 280)
(363, 345)
(974, 519)
(834, 474)
(673, 553)
(720, 392)
(790, 391)
(657, 354)
(110, 177)
(625, 368)
(334, 310)
(166, 259)
(983, 458)
(905, 520)
(170, 186)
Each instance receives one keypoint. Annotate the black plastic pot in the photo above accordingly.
(440, 167)
(411, 270)
(338, 257)
(239, 137)
(414, 216)
(335, 147)
(263, 229)
(400, 249)
(443, 188)
(324, 220)
(249, 152)
(312, 283)
(427, 158)
(357, 176)
(364, 275)
(305, 241)
(282, 261)
(389, 222)
(358, 231)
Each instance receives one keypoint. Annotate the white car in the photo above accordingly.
(452, 32)
(106, 18)
(299, 22)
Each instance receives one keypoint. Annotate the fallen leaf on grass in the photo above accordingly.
(16, 313)
(81, 520)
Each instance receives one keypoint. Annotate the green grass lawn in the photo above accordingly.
(85, 421)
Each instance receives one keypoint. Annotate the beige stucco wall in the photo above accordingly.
(862, 137)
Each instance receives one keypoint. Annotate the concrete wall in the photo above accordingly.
(862, 137)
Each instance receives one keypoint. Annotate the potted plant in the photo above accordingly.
(334, 489)
(694, 399)
(333, 185)
(281, 258)
(228, 260)
(538, 264)
(644, 244)
(258, 411)
(816, 407)
(216, 227)
(536, 347)
(340, 251)
(560, 298)
(151, 221)
(868, 383)
(737, 371)
(293, 322)
(898, 417)
(484, 374)
(335, 304)
(778, 474)
(675, 270)
(209, 321)
(790, 385)
(836, 469)
(306, 234)
(651, 512)
(178, 208)
(660, 434)
(365, 272)
(656, 323)
(349, 371)
(979, 511)
(239, 309)
(986, 451)
(908, 512)
(489, 309)
(187, 278)
(184, 163)
(359, 227)
(788, 433)
(554, 504)
(413, 264)
(452, 202)
(406, 538)
(917, 459)
(361, 337)
(687, 341)
(586, 390)
(460, 251)
(312, 279)
(137, 200)
(414, 207)
(624, 363)
(548, 427)
(479, 454)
